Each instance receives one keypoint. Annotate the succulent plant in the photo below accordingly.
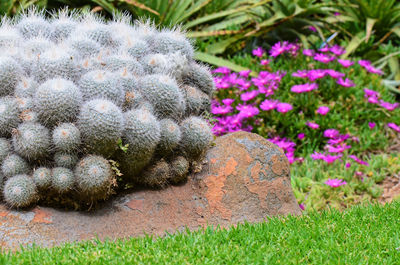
(62, 179)
(76, 91)
(94, 177)
(20, 191)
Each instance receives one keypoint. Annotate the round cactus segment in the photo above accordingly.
(42, 177)
(29, 116)
(56, 62)
(133, 99)
(62, 179)
(101, 124)
(163, 92)
(121, 62)
(94, 176)
(196, 136)
(33, 25)
(31, 140)
(179, 170)
(26, 88)
(137, 48)
(200, 77)
(157, 175)
(38, 45)
(65, 160)
(196, 101)
(5, 148)
(172, 41)
(20, 191)
(62, 28)
(102, 84)
(83, 47)
(9, 115)
(57, 100)
(66, 137)
(14, 165)
(170, 136)
(24, 104)
(10, 74)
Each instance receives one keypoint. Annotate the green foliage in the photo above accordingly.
(362, 182)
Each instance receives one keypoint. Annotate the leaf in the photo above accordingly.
(141, 6)
(5, 6)
(220, 46)
(106, 5)
(217, 61)
(370, 25)
(353, 44)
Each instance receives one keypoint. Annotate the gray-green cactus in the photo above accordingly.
(62, 179)
(14, 165)
(42, 177)
(196, 136)
(20, 191)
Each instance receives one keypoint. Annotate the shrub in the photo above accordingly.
(77, 92)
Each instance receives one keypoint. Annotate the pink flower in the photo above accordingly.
(388, 106)
(359, 161)
(371, 125)
(302, 207)
(308, 52)
(312, 28)
(283, 107)
(370, 93)
(312, 125)
(259, 52)
(228, 101)
(334, 74)
(300, 73)
(331, 133)
(373, 100)
(348, 165)
(316, 74)
(338, 149)
(268, 104)
(323, 58)
(221, 110)
(337, 50)
(323, 110)
(264, 62)
(247, 111)
(278, 48)
(330, 158)
(394, 126)
(334, 183)
(222, 70)
(373, 70)
(358, 173)
(245, 73)
(249, 95)
(317, 156)
(336, 14)
(301, 136)
(304, 88)
(364, 63)
(345, 63)
(345, 83)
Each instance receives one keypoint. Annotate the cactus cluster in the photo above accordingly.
(78, 93)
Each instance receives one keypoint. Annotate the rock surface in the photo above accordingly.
(244, 177)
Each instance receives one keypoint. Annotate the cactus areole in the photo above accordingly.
(88, 105)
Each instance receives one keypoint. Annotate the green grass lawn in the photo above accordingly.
(360, 235)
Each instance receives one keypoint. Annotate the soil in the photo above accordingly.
(391, 189)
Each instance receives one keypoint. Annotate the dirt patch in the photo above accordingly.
(391, 189)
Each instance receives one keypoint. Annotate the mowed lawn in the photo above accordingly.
(360, 235)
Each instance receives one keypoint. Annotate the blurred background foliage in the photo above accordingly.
(369, 29)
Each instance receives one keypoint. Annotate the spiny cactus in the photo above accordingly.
(31, 140)
(14, 165)
(66, 137)
(196, 136)
(156, 175)
(179, 170)
(10, 74)
(57, 100)
(170, 136)
(42, 177)
(20, 191)
(94, 177)
(62, 179)
(102, 84)
(9, 115)
(101, 123)
(76, 90)
(5, 149)
(164, 93)
(65, 160)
